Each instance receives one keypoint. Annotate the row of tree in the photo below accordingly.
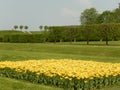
(91, 16)
(20, 27)
(90, 32)
(26, 27)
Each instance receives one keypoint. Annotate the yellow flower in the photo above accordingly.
(66, 69)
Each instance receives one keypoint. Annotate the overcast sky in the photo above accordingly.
(47, 12)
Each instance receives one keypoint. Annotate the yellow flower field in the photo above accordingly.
(66, 69)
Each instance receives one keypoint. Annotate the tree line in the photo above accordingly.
(89, 32)
(91, 16)
(86, 32)
(20, 27)
(94, 27)
(15, 27)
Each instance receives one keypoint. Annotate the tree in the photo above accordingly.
(40, 27)
(15, 27)
(21, 27)
(89, 16)
(106, 32)
(87, 33)
(106, 17)
(45, 27)
(71, 33)
(55, 34)
(117, 15)
(26, 27)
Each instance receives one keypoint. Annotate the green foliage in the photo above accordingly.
(24, 38)
(26, 27)
(90, 32)
(15, 27)
(21, 27)
(74, 83)
(41, 27)
(6, 38)
(109, 32)
(55, 34)
(1, 39)
(9, 32)
(116, 13)
(106, 17)
(89, 16)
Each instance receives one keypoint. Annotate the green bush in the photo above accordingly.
(24, 38)
(6, 38)
(93, 32)
(1, 39)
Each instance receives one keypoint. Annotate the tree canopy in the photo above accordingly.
(91, 16)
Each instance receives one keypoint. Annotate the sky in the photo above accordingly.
(34, 13)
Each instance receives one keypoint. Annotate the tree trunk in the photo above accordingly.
(74, 39)
(87, 42)
(107, 42)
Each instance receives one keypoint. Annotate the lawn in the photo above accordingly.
(13, 51)
(78, 51)
(12, 84)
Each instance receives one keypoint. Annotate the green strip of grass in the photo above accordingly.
(12, 84)
(23, 51)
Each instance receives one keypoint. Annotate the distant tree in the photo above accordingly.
(106, 17)
(21, 27)
(46, 27)
(26, 27)
(106, 32)
(15, 27)
(117, 15)
(89, 16)
(40, 27)
(55, 34)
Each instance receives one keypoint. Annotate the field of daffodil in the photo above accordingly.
(68, 74)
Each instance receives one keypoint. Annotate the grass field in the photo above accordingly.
(12, 84)
(16, 51)
(12, 51)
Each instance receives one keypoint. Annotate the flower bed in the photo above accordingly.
(68, 74)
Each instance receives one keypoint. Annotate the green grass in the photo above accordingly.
(21, 51)
(12, 84)
(12, 51)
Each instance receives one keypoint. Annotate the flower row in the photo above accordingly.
(63, 73)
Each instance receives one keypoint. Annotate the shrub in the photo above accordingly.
(24, 38)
